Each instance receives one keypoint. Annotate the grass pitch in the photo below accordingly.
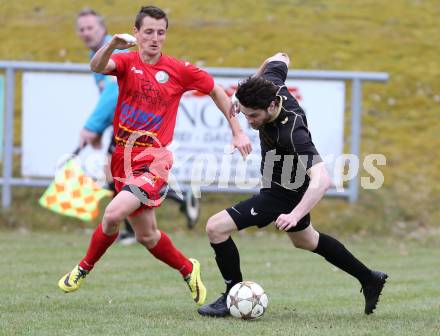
(131, 293)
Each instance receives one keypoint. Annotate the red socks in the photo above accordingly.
(169, 254)
(99, 243)
(164, 251)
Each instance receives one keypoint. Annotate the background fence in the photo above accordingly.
(11, 68)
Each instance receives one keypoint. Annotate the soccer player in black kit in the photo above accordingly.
(294, 179)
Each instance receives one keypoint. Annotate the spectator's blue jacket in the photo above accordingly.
(102, 115)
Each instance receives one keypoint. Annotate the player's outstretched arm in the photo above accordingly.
(319, 183)
(101, 62)
(239, 139)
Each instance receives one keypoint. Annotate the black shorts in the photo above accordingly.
(262, 209)
(112, 145)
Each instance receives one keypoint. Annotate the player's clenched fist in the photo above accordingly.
(283, 57)
(122, 41)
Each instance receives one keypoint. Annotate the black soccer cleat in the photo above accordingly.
(216, 309)
(372, 290)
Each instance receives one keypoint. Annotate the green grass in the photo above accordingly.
(131, 293)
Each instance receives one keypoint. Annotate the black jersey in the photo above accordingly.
(287, 149)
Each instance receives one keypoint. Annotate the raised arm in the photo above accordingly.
(101, 62)
(240, 139)
(282, 57)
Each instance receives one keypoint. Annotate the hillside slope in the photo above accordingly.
(400, 118)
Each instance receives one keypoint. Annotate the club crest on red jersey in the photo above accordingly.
(162, 77)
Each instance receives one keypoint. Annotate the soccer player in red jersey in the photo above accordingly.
(150, 87)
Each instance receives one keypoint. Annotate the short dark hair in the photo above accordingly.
(151, 11)
(89, 11)
(256, 93)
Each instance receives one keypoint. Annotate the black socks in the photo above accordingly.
(336, 253)
(228, 261)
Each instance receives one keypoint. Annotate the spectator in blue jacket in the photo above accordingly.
(92, 31)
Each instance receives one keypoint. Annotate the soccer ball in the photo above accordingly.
(247, 300)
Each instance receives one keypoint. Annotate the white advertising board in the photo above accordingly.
(202, 134)
(55, 107)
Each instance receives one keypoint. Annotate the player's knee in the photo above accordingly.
(148, 239)
(112, 217)
(305, 243)
(301, 244)
(306, 239)
(212, 226)
(215, 228)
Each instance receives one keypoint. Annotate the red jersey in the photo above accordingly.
(149, 96)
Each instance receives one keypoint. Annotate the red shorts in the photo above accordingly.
(143, 171)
